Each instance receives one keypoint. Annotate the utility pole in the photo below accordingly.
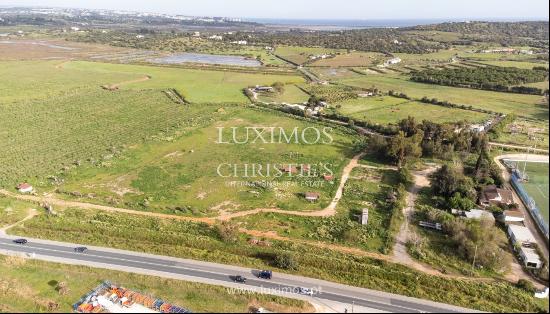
(352, 306)
(474, 262)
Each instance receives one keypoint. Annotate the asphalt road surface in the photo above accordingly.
(222, 275)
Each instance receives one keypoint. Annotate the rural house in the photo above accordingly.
(491, 195)
(25, 188)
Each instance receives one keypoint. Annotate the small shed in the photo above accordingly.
(520, 235)
(312, 197)
(25, 188)
(365, 216)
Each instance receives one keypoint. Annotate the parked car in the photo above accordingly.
(265, 274)
(304, 291)
(240, 279)
(21, 241)
(81, 249)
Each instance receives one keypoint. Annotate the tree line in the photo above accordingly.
(501, 79)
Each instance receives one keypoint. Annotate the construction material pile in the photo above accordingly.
(113, 299)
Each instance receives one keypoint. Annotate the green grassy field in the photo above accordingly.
(197, 86)
(300, 55)
(354, 59)
(46, 79)
(180, 175)
(386, 109)
(537, 187)
(291, 94)
(516, 64)
(91, 126)
(364, 189)
(12, 211)
(198, 241)
(524, 105)
(30, 286)
(526, 133)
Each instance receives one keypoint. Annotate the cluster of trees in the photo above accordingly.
(383, 40)
(426, 139)
(494, 78)
(477, 241)
(505, 33)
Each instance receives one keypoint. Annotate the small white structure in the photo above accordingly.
(478, 128)
(75, 29)
(530, 257)
(240, 42)
(140, 36)
(392, 61)
(365, 216)
(542, 294)
(512, 216)
(25, 188)
(216, 37)
(296, 106)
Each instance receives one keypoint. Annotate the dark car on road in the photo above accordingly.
(21, 241)
(240, 279)
(81, 249)
(265, 274)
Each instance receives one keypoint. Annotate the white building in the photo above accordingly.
(530, 258)
(25, 188)
(216, 37)
(512, 216)
(521, 236)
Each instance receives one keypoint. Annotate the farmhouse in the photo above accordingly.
(491, 195)
(312, 197)
(25, 188)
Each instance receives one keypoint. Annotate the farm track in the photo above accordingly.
(118, 85)
(396, 258)
(330, 210)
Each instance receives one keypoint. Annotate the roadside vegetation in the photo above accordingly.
(34, 286)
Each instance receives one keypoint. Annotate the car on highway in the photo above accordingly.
(80, 249)
(239, 279)
(303, 291)
(21, 241)
(265, 274)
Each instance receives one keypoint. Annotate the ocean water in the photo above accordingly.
(381, 23)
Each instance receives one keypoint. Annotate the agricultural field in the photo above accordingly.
(387, 109)
(198, 241)
(30, 286)
(197, 86)
(523, 105)
(47, 79)
(88, 126)
(180, 175)
(300, 55)
(366, 188)
(537, 187)
(353, 59)
(516, 64)
(291, 94)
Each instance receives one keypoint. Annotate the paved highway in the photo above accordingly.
(219, 274)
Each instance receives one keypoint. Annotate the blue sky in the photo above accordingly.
(320, 9)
